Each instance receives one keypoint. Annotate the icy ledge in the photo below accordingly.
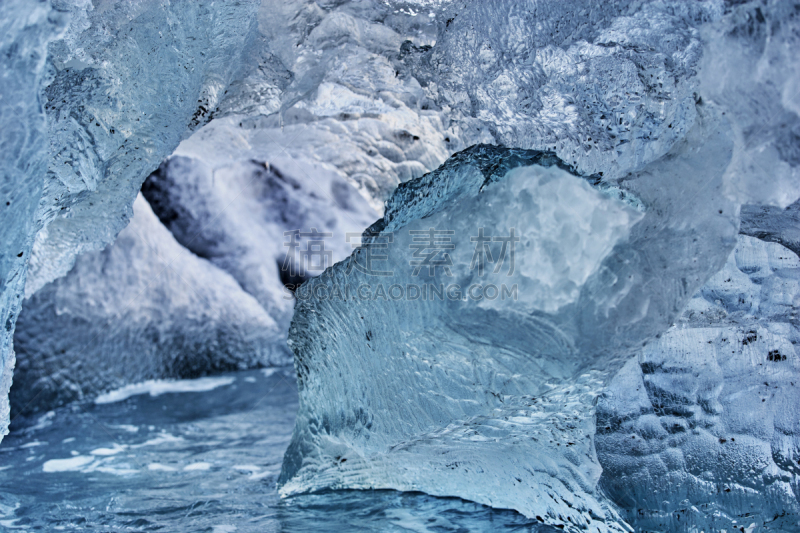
(492, 399)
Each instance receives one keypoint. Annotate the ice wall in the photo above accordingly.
(751, 67)
(143, 308)
(129, 80)
(329, 89)
(95, 95)
(491, 400)
(26, 29)
(607, 86)
(702, 431)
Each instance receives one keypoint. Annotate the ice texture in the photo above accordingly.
(143, 308)
(236, 211)
(25, 29)
(492, 400)
(122, 83)
(751, 67)
(95, 95)
(702, 431)
(773, 224)
(327, 88)
(657, 104)
(128, 81)
(607, 86)
(675, 112)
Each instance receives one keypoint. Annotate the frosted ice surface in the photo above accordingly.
(144, 308)
(608, 86)
(127, 83)
(236, 211)
(751, 66)
(419, 405)
(773, 224)
(703, 431)
(328, 89)
(92, 102)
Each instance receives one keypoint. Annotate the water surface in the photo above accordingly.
(202, 460)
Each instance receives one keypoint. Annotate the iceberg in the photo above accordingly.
(701, 430)
(489, 398)
(144, 308)
(259, 220)
(95, 95)
(584, 207)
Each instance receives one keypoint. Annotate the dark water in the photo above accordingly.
(197, 461)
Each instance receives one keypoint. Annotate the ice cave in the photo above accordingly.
(400, 266)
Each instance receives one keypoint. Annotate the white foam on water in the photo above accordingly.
(247, 468)
(197, 466)
(115, 471)
(126, 427)
(42, 422)
(269, 371)
(163, 438)
(157, 387)
(70, 464)
(115, 449)
(159, 467)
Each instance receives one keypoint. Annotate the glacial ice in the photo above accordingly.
(143, 308)
(236, 213)
(106, 129)
(673, 113)
(750, 66)
(95, 95)
(773, 224)
(26, 29)
(702, 431)
(327, 88)
(629, 94)
(607, 86)
(471, 398)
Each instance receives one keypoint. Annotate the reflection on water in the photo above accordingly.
(158, 460)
